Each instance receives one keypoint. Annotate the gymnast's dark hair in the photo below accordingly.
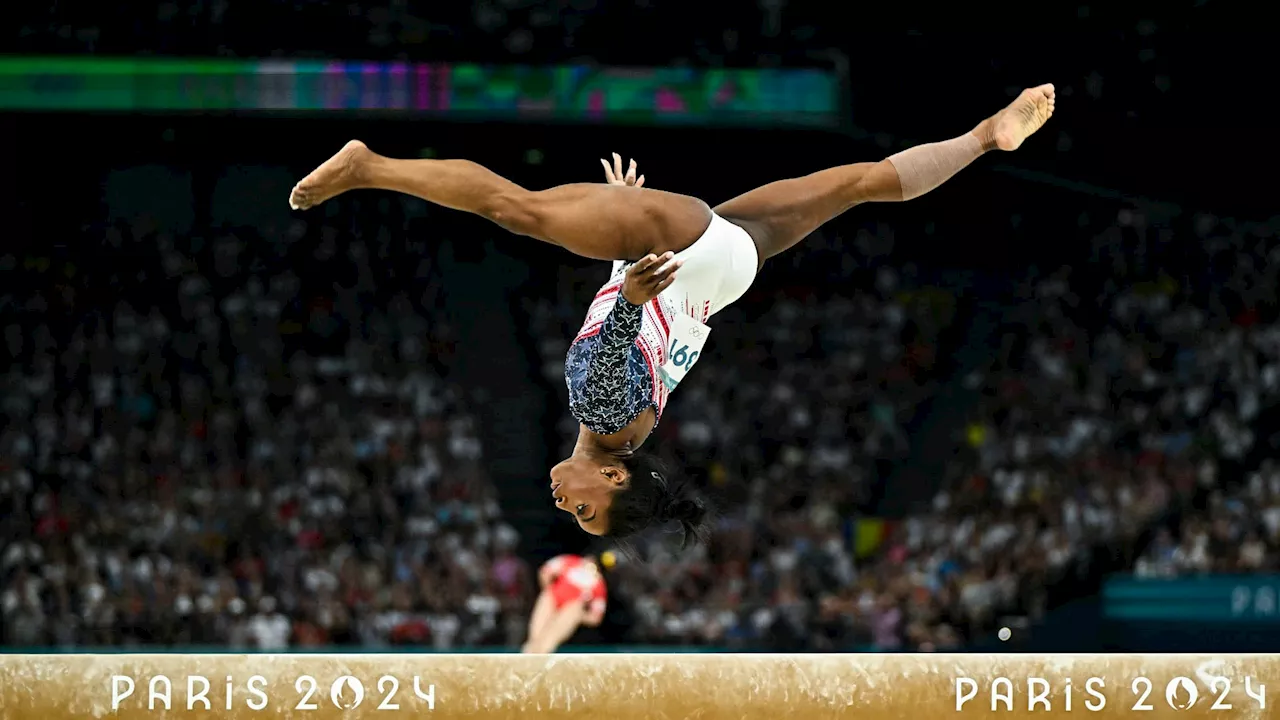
(649, 497)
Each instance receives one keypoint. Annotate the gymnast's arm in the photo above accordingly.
(603, 395)
(600, 402)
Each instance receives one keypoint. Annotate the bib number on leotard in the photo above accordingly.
(688, 336)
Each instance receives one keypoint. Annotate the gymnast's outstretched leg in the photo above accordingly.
(620, 222)
(602, 222)
(561, 626)
(781, 214)
(543, 610)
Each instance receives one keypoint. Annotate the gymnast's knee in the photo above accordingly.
(516, 211)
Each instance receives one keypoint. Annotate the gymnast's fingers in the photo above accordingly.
(642, 265)
(631, 173)
(666, 283)
(640, 181)
(617, 166)
(659, 263)
(663, 261)
(666, 271)
(608, 173)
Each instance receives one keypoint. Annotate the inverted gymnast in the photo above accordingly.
(676, 262)
(573, 594)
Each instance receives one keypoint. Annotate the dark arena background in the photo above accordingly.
(1034, 412)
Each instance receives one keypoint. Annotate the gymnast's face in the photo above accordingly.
(584, 488)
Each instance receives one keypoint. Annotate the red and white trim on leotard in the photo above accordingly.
(654, 337)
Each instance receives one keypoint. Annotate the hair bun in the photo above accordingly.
(691, 513)
(649, 497)
(685, 510)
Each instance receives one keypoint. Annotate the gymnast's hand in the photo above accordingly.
(650, 276)
(613, 174)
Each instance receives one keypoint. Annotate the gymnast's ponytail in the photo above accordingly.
(649, 496)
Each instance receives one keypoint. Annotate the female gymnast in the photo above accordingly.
(573, 594)
(676, 263)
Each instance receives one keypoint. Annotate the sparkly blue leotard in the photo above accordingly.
(610, 383)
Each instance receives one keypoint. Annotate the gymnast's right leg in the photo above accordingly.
(781, 214)
(602, 222)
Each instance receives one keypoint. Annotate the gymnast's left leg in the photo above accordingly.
(601, 222)
(543, 610)
(781, 214)
(558, 629)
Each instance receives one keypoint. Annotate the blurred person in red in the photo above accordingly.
(573, 594)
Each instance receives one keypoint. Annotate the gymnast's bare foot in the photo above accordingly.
(337, 175)
(1008, 128)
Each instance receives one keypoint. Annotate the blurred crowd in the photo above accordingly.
(1228, 362)
(244, 440)
(1120, 395)
(248, 437)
